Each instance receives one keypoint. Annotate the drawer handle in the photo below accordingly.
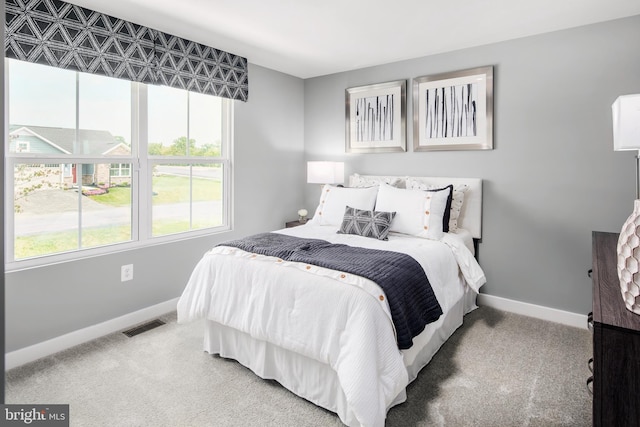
(590, 321)
(590, 385)
(590, 365)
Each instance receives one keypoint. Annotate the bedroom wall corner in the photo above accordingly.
(270, 173)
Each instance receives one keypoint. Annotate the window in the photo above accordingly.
(22, 147)
(96, 163)
(183, 141)
(120, 169)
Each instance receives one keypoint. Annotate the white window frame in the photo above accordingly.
(120, 175)
(141, 188)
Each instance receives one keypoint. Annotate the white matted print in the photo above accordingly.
(453, 111)
(376, 118)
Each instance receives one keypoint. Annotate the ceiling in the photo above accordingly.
(309, 38)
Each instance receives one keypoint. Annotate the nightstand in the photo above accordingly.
(295, 223)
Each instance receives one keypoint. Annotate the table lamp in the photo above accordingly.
(325, 172)
(626, 136)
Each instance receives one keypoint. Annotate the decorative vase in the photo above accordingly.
(629, 260)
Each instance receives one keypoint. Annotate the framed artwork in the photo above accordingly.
(453, 111)
(376, 118)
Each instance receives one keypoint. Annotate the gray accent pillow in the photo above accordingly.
(366, 223)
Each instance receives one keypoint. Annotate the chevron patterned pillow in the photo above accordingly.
(366, 223)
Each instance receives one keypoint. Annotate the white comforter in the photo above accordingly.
(332, 317)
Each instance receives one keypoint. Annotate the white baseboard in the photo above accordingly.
(532, 310)
(29, 354)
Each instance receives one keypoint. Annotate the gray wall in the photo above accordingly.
(43, 303)
(553, 176)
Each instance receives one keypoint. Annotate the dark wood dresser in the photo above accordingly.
(616, 342)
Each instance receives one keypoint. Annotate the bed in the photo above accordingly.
(331, 336)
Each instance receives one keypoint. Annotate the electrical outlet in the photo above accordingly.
(126, 272)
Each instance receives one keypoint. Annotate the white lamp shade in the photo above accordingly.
(626, 123)
(325, 172)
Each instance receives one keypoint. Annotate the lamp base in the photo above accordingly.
(629, 260)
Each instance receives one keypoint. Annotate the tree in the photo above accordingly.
(209, 150)
(179, 148)
(31, 178)
(155, 148)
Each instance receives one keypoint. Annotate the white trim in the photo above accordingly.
(29, 354)
(539, 312)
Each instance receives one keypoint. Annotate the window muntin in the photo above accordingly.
(99, 202)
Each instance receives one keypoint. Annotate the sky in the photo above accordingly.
(40, 95)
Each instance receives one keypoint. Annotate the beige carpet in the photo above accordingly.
(498, 369)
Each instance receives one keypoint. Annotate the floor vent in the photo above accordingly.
(143, 328)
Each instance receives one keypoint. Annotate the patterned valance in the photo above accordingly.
(193, 66)
(64, 35)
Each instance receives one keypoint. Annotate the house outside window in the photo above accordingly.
(96, 164)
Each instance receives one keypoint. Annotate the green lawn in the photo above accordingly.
(53, 243)
(175, 189)
(62, 241)
(167, 190)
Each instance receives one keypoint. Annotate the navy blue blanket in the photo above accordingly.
(411, 300)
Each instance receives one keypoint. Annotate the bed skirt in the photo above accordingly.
(315, 381)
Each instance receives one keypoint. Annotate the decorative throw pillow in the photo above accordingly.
(333, 201)
(366, 223)
(418, 213)
(457, 199)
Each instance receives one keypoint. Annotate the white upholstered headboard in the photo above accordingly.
(471, 214)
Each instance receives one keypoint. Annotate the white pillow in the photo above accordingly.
(357, 180)
(457, 199)
(334, 200)
(418, 213)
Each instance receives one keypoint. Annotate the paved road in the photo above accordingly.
(198, 171)
(34, 223)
